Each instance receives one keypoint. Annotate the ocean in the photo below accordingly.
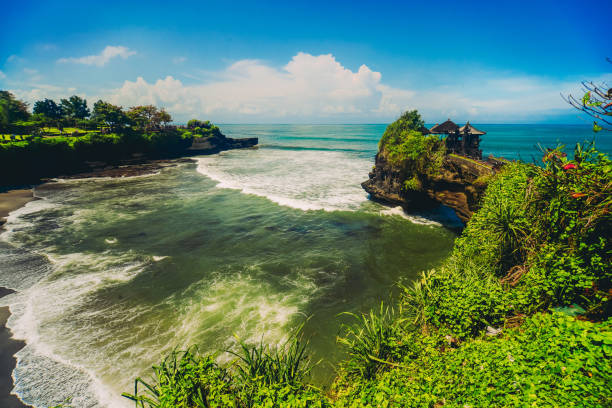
(113, 274)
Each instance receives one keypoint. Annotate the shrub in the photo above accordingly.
(552, 360)
(261, 376)
(416, 155)
(372, 340)
(539, 240)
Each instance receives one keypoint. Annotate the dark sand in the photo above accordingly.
(15, 199)
(12, 200)
(8, 348)
(9, 201)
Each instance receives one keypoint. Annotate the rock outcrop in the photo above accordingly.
(459, 185)
(217, 144)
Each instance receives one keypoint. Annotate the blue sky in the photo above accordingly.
(316, 62)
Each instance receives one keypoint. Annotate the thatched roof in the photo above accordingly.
(447, 127)
(424, 130)
(471, 130)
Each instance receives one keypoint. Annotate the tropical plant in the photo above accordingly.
(373, 339)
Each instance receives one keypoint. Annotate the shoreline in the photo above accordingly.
(10, 201)
(8, 348)
(134, 169)
(13, 199)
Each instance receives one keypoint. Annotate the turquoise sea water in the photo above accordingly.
(112, 274)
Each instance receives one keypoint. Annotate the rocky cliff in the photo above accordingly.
(459, 184)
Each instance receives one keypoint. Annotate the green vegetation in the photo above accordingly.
(518, 315)
(60, 138)
(416, 155)
(539, 243)
(552, 360)
(202, 129)
(260, 376)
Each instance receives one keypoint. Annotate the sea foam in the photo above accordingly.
(306, 180)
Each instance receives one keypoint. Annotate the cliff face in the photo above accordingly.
(459, 185)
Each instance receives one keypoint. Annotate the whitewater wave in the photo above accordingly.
(51, 288)
(305, 180)
(46, 315)
(441, 216)
(413, 218)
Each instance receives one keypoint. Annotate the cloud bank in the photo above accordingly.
(313, 88)
(319, 89)
(107, 54)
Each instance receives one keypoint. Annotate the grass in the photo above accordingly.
(260, 376)
(374, 338)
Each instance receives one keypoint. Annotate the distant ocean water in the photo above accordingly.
(113, 274)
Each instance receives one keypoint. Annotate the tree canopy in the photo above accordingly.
(49, 108)
(75, 107)
(148, 117)
(11, 109)
(109, 114)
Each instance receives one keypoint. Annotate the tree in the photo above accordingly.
(162, 117)
(11, 109)
(596, 102)
(142, 116)
(410, 121)
(195, 123)
(148, 117)
(49, 109)
(75, 107)
(109, 114)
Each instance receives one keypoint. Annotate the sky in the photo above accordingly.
(312, 62)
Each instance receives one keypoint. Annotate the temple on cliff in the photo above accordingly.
(464, 140)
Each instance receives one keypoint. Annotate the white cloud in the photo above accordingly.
(2, 75)
(108, 53)
(179, 60)
(318, 88)
(307, 87)
(40, 91)
(14, 58)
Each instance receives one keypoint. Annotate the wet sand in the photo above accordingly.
(9, 201)
(8, 348)
(12, 200)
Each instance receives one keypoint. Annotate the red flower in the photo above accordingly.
(569, 166)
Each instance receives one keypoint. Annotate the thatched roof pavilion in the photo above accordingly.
(444, 128)
(471, 130)
(463, 140)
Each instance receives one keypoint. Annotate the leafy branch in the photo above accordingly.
(596, 102)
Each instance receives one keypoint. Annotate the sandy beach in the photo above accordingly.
(9, 201)
(8, 348)
(12, 200)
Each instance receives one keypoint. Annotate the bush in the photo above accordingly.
(415, 155)
(374, 339)
(539, 240)
(552, 360)
(261, 376)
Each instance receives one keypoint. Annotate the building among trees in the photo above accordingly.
(463, 140)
